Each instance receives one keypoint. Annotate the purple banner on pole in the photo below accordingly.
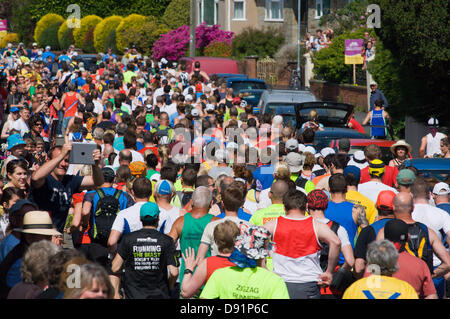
(353, 51)
(3, 25)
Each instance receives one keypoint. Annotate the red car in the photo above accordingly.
(211, 65)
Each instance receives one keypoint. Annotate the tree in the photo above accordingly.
(417, 34)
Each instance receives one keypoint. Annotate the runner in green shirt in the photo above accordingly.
(277, 191)
(247, 280)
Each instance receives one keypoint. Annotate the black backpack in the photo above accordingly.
(418, 243)
(334, 226)
(185, 197)
(108, 206)
(301, 182)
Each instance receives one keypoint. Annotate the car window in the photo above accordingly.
(247, 85)
(326, 115)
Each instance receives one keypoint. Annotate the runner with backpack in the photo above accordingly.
(100, 208)
(317, 202)
(422, 241)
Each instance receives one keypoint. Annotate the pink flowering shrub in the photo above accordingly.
(174, 44)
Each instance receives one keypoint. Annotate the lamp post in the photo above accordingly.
(193, 24)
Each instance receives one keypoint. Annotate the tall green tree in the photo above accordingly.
(417, 34)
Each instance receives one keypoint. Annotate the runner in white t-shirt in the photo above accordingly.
(372, 188)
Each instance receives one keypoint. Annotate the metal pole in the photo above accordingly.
(193, 24)
(299, 22)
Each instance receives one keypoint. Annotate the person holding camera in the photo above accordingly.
(52, 188)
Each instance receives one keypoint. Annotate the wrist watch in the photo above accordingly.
(188, 271)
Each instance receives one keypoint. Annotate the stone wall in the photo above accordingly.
(346, 93)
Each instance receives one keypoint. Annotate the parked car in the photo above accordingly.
(240, 83)
(226, 76)
(283, 102)
(211, 65)
(334, 117)
(89, 61)
(437, 169)
(252, 97)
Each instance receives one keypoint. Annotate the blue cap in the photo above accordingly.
(14, 140)
(149, 211)
(164, 187)
(354, 170)
(14, 109)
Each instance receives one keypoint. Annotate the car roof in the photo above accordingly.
(438, 164)
(244, 79)
(286, 96)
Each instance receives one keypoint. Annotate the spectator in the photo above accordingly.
(376, 94)
(441, 194)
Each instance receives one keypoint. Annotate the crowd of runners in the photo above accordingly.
(191, 193)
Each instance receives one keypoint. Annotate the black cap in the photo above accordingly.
(19, 204)
(344, 144)
(396, 230)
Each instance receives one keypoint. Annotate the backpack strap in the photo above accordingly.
(117, 194)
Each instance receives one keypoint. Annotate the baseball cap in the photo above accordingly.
(396, 230)
(376, 167)
(15, 140)
(406, 177)
(292, 145)
(441, 189)
(237, 100)
(137, 168)
(295, 162)
(326, 151)
(433, 122)
(310, 149)
(210, 107)
(353, 170)
(277, 120)
(164, 187)
(317, 199)
(385, 200)
(149, 211)
(188, 97)
(195, 112)
(14, 109)
(358, 159)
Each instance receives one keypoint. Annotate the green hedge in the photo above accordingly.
(131, 22)
(260, 42)
(104, 32)
(46, 21)
(177, 14)
(142, 35)
(84, 35)
(329, 63)
(50, 37)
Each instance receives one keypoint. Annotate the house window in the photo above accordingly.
(239, 10)
(274, 10)
(207, 12)
(322, 8)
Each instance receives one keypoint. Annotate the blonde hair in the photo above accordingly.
(310, 161)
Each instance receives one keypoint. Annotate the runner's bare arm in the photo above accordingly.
(177, 226)
(423, 146)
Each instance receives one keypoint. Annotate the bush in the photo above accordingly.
(218, 49)
(12, 38)
(45, 22)
(260, 42)
(177, 14)
(50, 37)
(329, 62)
(65, 36)
(174, 44)
(132, 22)
(102, 33)
(84, 35)
(144, 35)
(350, 17)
